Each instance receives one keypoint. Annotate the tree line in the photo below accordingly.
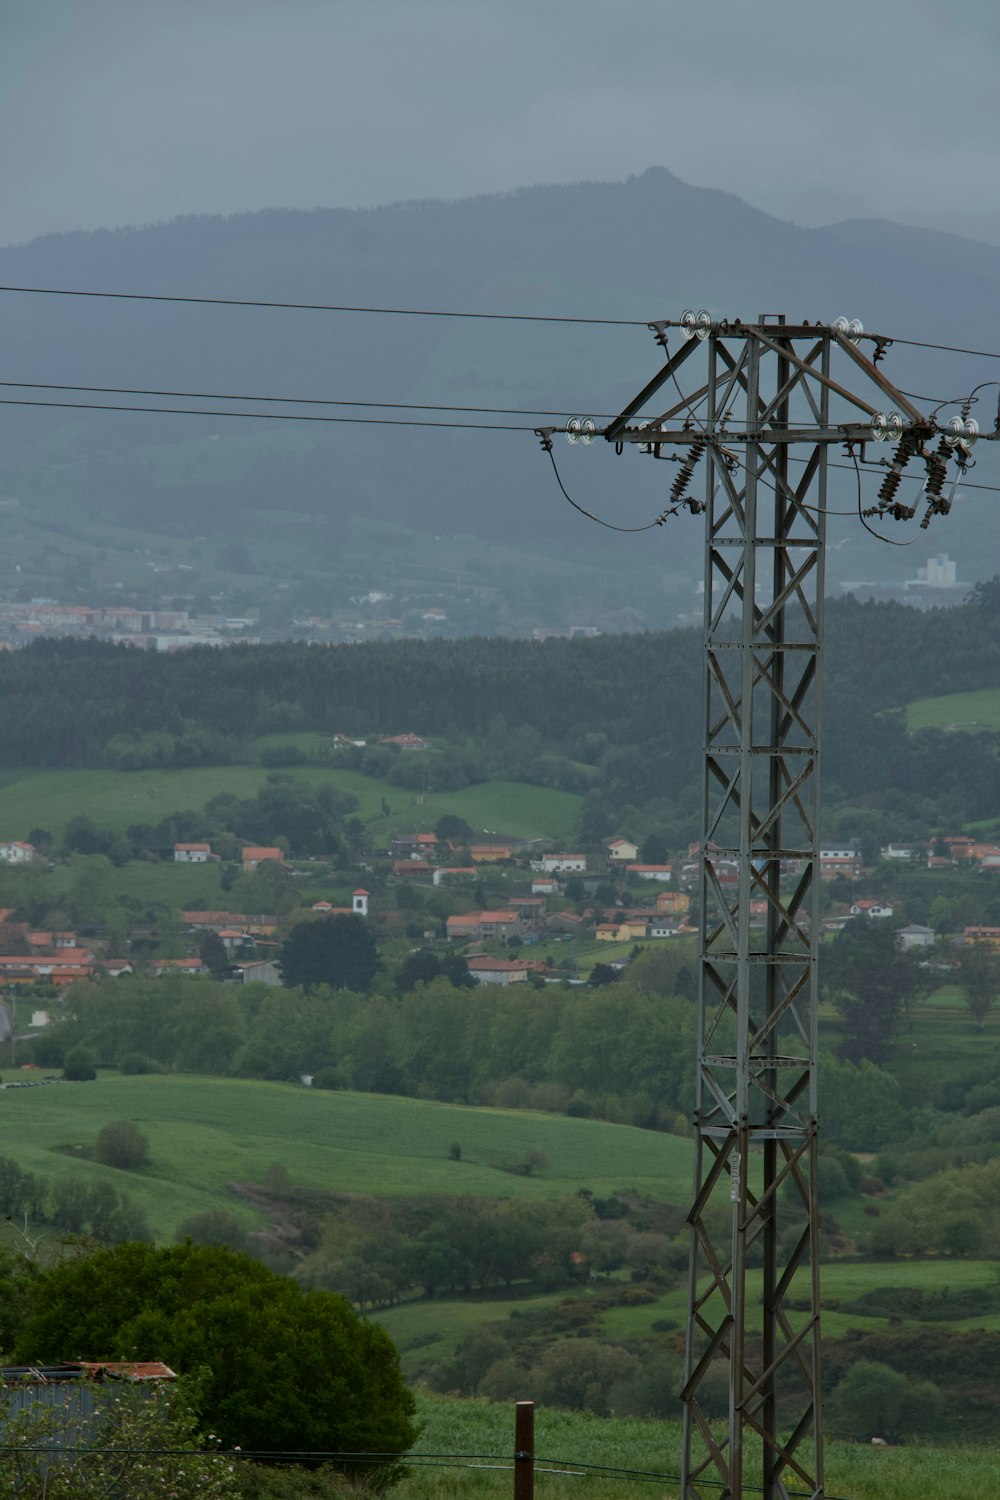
(624, 1051)
(613, 716)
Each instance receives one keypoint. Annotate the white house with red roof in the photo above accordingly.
(17, 853)
(195, 966)
(870, 908)
(192, 854)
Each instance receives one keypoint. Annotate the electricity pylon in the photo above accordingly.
(765, 401)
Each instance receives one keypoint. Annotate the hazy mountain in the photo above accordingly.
(643, 248)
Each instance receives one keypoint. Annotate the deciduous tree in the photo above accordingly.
(338, 951)
(290, 1370)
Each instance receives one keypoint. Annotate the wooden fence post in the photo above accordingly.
(524, 1450)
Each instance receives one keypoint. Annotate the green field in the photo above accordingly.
(117, 799)
(429, 1332)
(482, 1432)
(970, 712)
(206, 1134)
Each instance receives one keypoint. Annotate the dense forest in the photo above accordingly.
(616, 716)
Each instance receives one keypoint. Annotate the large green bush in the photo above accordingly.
(287, 1370)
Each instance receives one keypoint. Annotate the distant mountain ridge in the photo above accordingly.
(641, 248)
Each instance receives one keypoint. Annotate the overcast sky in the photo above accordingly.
(116, 112)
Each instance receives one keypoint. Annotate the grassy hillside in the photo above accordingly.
(427, 1333)
(970, 712)
(206, 1134)
(486, 1429)
(116, 799)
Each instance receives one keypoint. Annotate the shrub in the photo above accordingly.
(136, 1062)
(286, 1369)
(122, 1144)
(80, 1066)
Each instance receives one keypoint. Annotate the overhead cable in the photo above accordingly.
(267, 416)
(128, 390)
(397, 312)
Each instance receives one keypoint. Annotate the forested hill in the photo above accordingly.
(627, 707)
(643, 248)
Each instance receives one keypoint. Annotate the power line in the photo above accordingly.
(399, 312)
(610, 525)
(268, 416)
(413, 312)
(128, 390)
(946, 348)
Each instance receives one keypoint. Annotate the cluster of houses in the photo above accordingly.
(544, 898)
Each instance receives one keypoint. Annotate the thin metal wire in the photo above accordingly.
(126, 390)
(398, 312)
(270, 416)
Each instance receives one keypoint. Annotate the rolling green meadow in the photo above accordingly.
(206, 1134)
(483, 1431)
(971, 712)
(117, 799)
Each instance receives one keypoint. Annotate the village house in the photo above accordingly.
(842, 859)
(407, 741)
(261, 971)
(17, 853)
(192, 854)
(488, 854)
(357, 908)
(257, 854)
(633, 925)
(49, 942)
(621, 851)
(677, 903)
(871, 908)
(986, 937)
(257, 924)
(487, 970)
(413, 845)
(451, 874)
(192, 966)
(233, 938)
(407, 869)
(544, 885)
(66, 967)
(896, 851)
(650, 872)
(530, 909)
(475, 925)
(916, 936)
(561, 864)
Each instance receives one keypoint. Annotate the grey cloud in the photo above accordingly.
(127, 111)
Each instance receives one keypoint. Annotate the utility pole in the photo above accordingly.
(761, 415)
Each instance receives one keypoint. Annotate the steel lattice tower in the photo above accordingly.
(754, 1276)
